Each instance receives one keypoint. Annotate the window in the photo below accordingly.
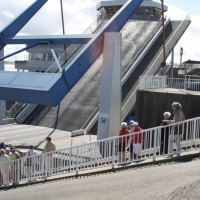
(49, 57)
(43, 56)
(32, 56)
(37, 56)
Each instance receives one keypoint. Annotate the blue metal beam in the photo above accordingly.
(94, 48)
(54, 39)
(17, 24)
(51, 89)
(16, 52)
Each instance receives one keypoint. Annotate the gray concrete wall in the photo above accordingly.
(150, 106)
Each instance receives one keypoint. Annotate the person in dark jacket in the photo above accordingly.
(165, 134)
(123, 141)
(2, 146)
(177, 130)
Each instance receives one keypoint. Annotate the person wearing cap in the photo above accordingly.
(14, 156)
(136, 142)
(123, 141)
(49, 147)
(4, 167)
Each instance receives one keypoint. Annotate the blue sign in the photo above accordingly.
(103, 120)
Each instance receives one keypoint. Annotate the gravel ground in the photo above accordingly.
(165, 181)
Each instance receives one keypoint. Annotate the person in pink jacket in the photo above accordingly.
(136, 142)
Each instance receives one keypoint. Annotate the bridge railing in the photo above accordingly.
(169, 84)
(149, 144)
(15, 109)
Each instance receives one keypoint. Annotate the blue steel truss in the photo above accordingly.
(50, 89)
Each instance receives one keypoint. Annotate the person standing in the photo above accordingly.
(136, 142)
(131, 127)
(165, 132)
(30, 162)
(2, 146)
(49, 147)
(177, 130)
(123, 141)
(15, 165)
(4, 167)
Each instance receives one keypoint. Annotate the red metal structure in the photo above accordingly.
(63, 24)
(163, 27)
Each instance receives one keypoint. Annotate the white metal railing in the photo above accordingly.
(170, 84)
(105, 153)
(15, 109)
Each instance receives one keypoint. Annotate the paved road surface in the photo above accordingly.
(24, 135)
(171, 181)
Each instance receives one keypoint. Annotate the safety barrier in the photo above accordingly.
(147, 144)
(170, 84)
(15, 109)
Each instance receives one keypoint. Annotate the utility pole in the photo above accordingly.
(63, 24)
(163, 37)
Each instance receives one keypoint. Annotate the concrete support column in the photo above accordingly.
(2, 103)
(110, 90)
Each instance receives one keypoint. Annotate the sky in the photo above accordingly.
(79, 14)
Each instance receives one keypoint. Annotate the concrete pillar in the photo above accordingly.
(2, 103)
(110, 90)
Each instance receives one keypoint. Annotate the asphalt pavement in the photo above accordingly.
(168, 181)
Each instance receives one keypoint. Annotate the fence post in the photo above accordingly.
(154, 145)
(77, 155)
(45, 166)
(18, 170)
(113, 153)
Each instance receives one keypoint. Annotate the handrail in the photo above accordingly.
(170, 84)
(104, 153)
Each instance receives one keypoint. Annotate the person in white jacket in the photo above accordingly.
(31, 162)
(4, 167)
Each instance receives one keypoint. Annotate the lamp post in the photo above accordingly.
(163, 37)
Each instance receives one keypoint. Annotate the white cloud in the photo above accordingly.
(190, 40)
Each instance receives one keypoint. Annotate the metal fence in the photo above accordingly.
(15, 109)
(147, 144)
(170, 84)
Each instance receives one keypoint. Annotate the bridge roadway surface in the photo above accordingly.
(24, 135)
(135, 34)
(161, 182)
